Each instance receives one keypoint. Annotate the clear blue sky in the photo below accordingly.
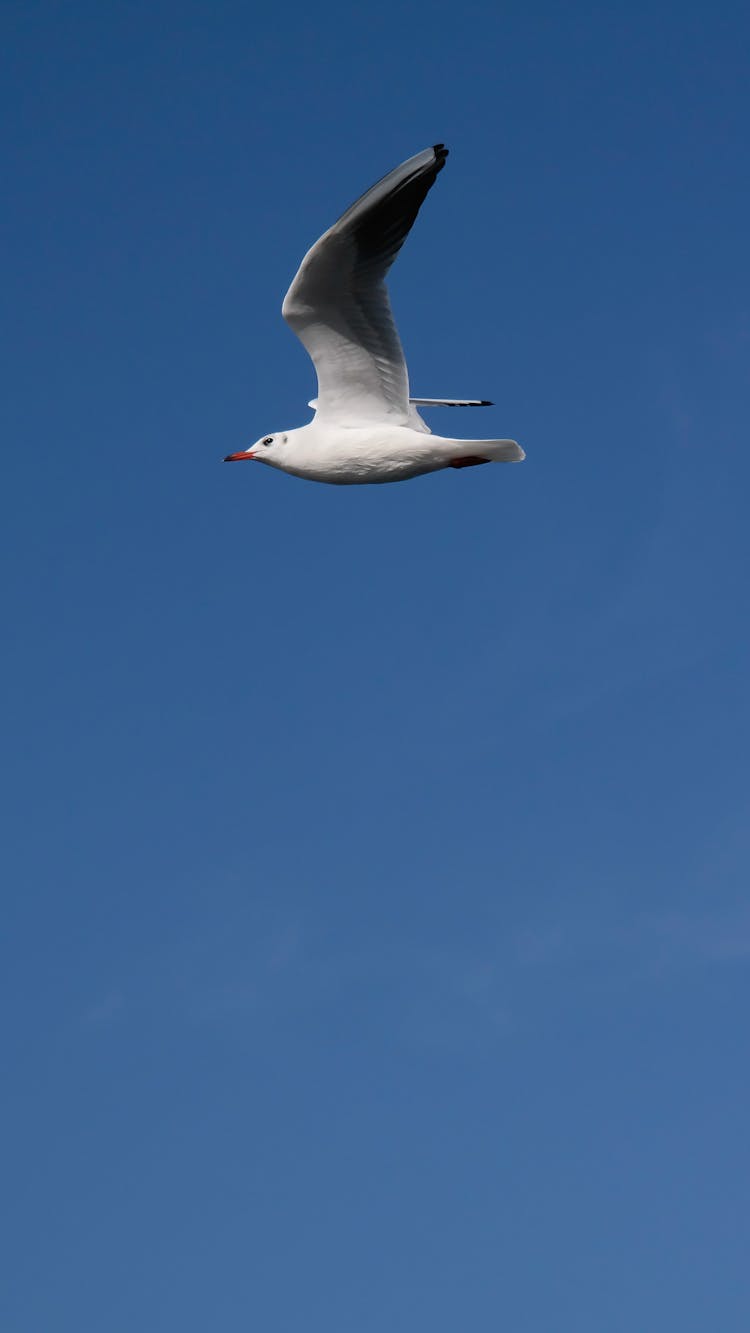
(377, 941)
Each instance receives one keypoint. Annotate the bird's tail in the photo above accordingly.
(466, 453)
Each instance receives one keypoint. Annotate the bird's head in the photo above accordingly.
(262, 451)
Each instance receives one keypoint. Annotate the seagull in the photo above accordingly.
(365, 426)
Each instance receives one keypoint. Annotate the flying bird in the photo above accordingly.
(365, 427)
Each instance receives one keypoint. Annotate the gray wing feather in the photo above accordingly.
(338, 302)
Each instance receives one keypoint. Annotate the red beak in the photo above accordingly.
(238, 458)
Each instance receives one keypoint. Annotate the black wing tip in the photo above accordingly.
(486, 402)
(441, 152)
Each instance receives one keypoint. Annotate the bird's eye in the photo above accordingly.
(268, 439)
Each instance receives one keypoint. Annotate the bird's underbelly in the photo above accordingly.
(356, 461)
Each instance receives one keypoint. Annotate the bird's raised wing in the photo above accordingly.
(338, 302)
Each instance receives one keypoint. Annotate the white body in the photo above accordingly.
(351, 455)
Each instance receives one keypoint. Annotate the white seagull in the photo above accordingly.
(366, 428)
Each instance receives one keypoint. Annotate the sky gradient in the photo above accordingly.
(377, 932)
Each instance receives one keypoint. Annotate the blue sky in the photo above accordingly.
(377, 948)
